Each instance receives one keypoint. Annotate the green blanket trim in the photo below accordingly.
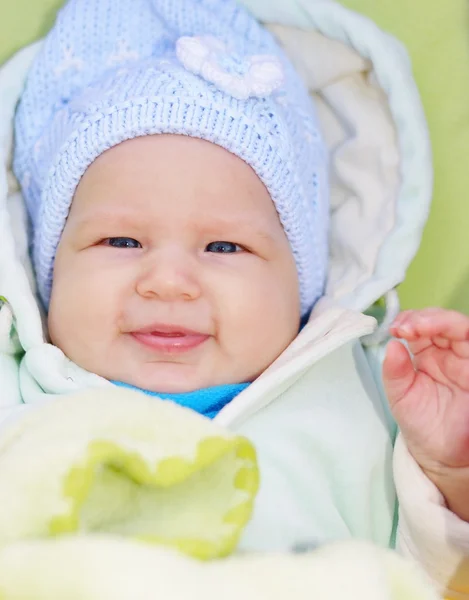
(167, 473)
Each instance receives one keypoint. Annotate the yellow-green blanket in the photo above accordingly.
(118, 462)
(113, 495)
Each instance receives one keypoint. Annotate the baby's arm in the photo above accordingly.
(429, 398)
(428, 532)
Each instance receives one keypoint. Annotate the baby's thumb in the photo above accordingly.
(398, 372)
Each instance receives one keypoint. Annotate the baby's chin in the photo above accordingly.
(172, 378)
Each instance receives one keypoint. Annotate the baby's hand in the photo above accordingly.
(429, 397)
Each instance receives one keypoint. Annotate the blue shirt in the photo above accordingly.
(207, 401)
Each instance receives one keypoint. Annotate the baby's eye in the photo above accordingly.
(121, 242)
(223, 247)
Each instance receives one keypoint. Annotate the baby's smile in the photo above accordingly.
(173, 272)
(166, 339)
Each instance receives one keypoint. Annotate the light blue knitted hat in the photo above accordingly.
(111, 70)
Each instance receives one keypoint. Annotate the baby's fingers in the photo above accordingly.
(436, 323)
(398, 372)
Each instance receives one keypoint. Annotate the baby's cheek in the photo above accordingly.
(79, 311)
(261, 321)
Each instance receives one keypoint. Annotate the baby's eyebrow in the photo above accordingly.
(216, 226)
(100, 216)
(238, 226)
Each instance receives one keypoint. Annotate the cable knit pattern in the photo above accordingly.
(109, 71)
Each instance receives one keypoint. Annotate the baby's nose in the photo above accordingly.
(169, 276)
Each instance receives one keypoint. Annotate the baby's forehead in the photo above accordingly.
(120, 217)
(167, 153)
(174, 177)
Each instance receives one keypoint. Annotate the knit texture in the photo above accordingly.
(112, 70)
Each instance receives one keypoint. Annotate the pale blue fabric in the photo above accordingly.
(108, 71)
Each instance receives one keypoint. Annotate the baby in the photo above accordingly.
(177, 189)
(178, 246)
(197, 237)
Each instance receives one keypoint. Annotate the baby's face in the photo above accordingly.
(173, 272)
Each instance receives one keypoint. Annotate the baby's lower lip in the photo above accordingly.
(171, 343)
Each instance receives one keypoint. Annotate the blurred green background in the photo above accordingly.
(435, 33)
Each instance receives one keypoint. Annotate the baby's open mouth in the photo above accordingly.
(168, 333)
(169, 338)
